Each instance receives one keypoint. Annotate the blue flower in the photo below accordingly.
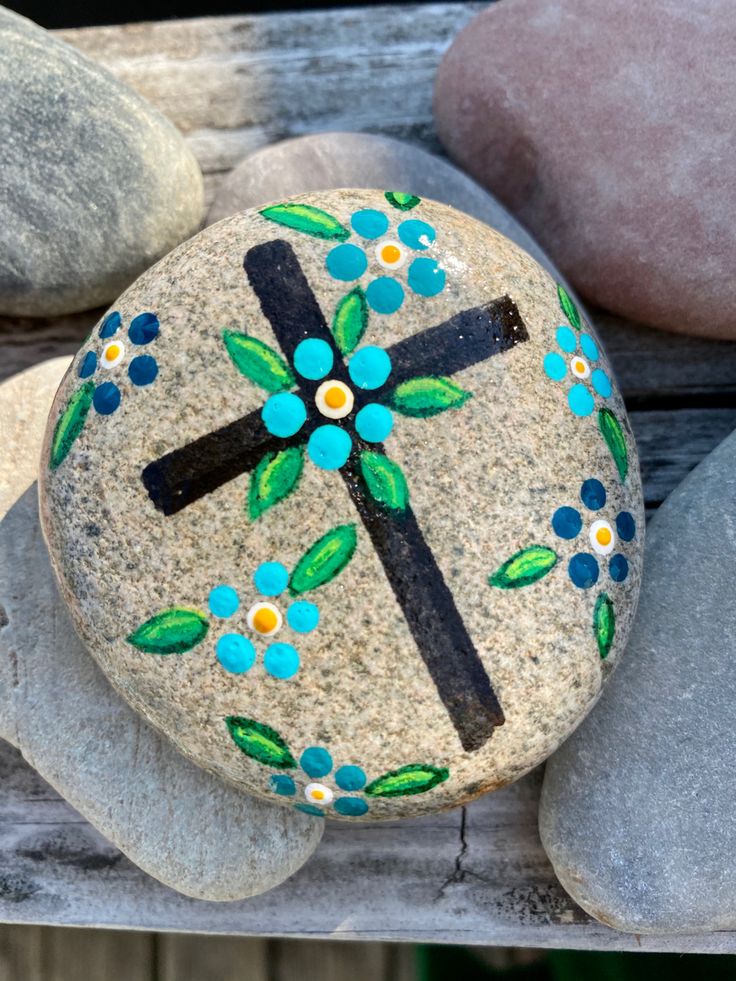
(580, 398)
(264, 619)
(567, 523)
(142, 369)
(316, 764)
(385, 293)
(330, 445)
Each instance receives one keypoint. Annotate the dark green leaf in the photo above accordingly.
(402, 201)
(324, 560)
(260, 742)
(275, 477)
(171, 631)
(428, 396)
(258, 362)
(415, 778)
(70, 423)
(350, 320)
(568, 306)
(604, 624)
(524, 568)
(385, 480)
(305, 218)
(613, 434)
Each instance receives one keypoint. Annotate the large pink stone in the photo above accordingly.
(608, 130)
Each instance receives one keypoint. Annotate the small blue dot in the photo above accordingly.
(235, 653)
(625, 526)
(601, 383)
(567, 522)
(143, 369)
(593, 494)
(369, 223)
(583, 570)
(329, 447)
(416, 234)
(346, 262)
(281, 661)
(106, 398)
(316, 762)
(374, 422)
(566, 339)
(302, 616)
(310, 809)
(350, 806)
(369, 367)
(384, 295)
(88, 365)
(223, 601)
(271, 578)
(284, 414)
(425, 277)
(350, 778)
(618, 567)
(143, 328)
(589, 346)
(554, 366)
(313, 358)
(110, 324)
(282, 785)
(580, 400)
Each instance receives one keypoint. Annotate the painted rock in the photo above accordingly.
(343, 499)
(96, 184)
(580, 117)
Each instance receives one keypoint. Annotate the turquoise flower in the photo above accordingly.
(142, 369)
(316, 791)
(579, 353)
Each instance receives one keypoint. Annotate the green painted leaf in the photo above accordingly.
(275, 477)
(385, 480)
(260, 742)
(258, 362)
(307, 219)
(415, 778)
(524, 568)
(171, 631)
(613, 434)
(402, 201)
(568, 306)
(350, 320)
(324, 560)
(604, 624)
(70, 423)
(428, 396)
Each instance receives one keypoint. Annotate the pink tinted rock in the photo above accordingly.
(607, 129)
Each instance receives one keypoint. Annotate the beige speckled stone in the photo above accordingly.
(413, 637)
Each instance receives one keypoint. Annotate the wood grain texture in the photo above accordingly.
(477, 875)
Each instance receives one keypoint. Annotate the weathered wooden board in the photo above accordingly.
(476, 875)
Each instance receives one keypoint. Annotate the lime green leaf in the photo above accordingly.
(324, 560)
(402, 201)
(171, 631)
(305, 218)
(415, 778)
(260, 742)
(604, 624)
(568, 306)
(70, 423)
(275, 477)
(385, 480)
(425, 397)
(350, 320)
(258, 362)
(524, 568)
(613, 434)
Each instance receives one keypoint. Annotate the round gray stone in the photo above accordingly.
(96, 184)
(637, 811)
(179, 823)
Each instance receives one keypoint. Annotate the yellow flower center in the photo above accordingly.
(603, 535)
(579, 367)
(390, 253)
(335, 397)
(264, 620)
(318, 794)
(112, 351)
